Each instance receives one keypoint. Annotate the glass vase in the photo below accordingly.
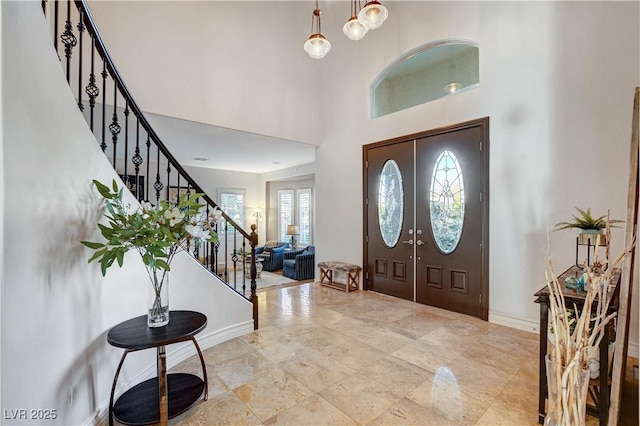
(158, 298)
(567, 396)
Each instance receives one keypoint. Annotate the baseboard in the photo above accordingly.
(514, 322)
(174, 357)
(534, 327)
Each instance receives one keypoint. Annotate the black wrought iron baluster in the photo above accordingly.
(226, 252)
(234, 259)
(92, 90)
(68, 39)
(55, 27)
(104, 75)
(244, 262)
(137, 160)
(80, 31)
(114, 127)
(196, 246)
(254, 273)
(168, 177)
(126, 143)
(158, 185)
(206, 247)
(214, 261)
(148, 175)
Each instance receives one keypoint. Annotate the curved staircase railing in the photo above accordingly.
(136, 152)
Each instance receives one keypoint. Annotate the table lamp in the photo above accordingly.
(293, 230)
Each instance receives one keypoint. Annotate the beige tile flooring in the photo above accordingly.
(322, 356)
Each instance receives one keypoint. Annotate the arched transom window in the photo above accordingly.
(424, 74)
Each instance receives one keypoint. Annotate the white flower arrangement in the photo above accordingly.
(157, 232)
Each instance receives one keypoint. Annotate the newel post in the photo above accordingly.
(254, 296)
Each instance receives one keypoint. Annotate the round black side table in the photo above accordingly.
(167, 395)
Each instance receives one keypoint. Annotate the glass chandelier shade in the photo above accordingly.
(354, 28)
(317, 46)
(372, 15)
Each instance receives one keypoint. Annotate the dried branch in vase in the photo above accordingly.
(577, 337)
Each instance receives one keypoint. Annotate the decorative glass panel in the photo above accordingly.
(446, 203)
(390, 203)
(424, 74)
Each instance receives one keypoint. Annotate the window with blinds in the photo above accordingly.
(285, 212)
(232, 203)
(295, 207)
(304, 216)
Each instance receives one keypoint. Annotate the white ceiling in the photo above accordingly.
(209, 110)
(228, 149)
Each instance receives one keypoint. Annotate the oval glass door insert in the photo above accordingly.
(446, 203)
(390, 203)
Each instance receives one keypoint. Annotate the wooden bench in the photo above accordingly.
(352, 275)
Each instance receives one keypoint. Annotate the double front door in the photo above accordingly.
(426, 219)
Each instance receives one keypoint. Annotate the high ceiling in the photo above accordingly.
(204, 145)
(207, 91)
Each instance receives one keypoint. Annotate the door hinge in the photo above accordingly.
(481, 298)
(480, 145)
(366, 201)
(480, 196)
(366, 275)
(366, 238)
(366, 164)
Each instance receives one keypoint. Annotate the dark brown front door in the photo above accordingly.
(433, 249)
(449, 220)
(390, 213)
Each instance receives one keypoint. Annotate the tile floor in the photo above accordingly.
(322, 356)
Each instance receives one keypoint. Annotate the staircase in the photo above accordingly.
(135, 151)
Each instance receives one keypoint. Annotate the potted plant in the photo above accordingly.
(588, 224)
(157, 233)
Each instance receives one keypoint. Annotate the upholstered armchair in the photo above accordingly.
(272, 255)
(299, 264)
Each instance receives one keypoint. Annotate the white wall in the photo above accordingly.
(213, 62)
(56, 308)
(213, 180)
(556, 80)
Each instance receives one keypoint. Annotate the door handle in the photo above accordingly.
(420, 243)
(410, 242)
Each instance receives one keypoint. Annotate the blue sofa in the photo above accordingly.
(299, 264)
(272, 254)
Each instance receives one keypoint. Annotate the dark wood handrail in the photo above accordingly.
(124, 91)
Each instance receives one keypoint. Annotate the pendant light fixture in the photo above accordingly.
(372, 15)
(317, 46)
(354, 28)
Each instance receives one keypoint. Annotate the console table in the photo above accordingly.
(574, 297)
(167, 395)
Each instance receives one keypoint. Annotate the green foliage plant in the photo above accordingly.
(156, 232)
(586, 221)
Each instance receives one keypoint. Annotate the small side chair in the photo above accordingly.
(299, 264)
